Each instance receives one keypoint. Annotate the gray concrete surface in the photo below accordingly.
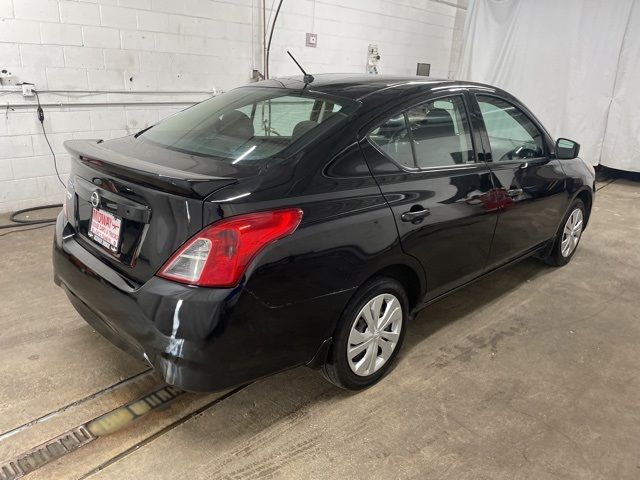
(531, 373)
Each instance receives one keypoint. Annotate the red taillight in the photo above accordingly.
(219, 254)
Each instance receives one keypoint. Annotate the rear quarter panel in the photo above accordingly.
(347, 232)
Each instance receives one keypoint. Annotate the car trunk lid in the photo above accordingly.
(132, 204)
(154, 167)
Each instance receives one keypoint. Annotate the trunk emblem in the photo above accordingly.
(95, 199)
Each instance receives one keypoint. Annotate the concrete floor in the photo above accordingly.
(533, 372)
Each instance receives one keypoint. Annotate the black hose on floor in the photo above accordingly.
(20, 222)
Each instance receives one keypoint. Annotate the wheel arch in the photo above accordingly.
(407, 277)
(587, 199)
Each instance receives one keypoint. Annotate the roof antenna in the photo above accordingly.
(307, 78)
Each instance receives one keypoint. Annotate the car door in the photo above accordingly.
(425, 163)
(529, 182)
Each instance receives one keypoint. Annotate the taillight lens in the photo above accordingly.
(219, 254)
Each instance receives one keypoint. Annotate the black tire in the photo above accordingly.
(337, 367)
(555, 256)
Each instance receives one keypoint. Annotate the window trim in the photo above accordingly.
(412, 142)
(403, 111)
(483, 127)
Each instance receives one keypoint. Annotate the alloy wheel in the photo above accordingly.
(571, 233)
(374, 334)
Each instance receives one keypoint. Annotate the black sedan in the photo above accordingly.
(287, 223)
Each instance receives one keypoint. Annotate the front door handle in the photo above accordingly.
(415, 216)
(515, 192)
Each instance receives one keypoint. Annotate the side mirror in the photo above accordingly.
(567, 149)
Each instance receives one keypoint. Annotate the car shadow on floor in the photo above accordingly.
(306, 386)
(470, 298)
(427, 322)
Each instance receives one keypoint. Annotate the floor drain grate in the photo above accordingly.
(45, 453)
(77, 437)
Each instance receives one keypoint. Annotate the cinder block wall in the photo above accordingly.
(108, 68)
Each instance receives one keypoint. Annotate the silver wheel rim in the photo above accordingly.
(571, 233)
(374, 334)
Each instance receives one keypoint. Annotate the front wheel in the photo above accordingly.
(369, 335)
(568, 236)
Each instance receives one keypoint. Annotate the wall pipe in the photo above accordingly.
(273, 27)
(136, 92)
(92, 104)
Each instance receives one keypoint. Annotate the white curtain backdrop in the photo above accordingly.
(622, 137)
(574, 63)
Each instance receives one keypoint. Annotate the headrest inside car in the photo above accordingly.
(436, 123)
(301, 128)
(234, 124)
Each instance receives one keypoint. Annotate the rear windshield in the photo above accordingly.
(248, 124)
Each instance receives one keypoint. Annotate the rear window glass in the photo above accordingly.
(247, 124)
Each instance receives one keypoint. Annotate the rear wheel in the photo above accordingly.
(568, 237)
(369, 335)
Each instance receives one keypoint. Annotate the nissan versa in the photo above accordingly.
(290, 223)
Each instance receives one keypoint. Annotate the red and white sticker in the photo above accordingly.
(105, 229)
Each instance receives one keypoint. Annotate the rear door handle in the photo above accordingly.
(514, 192)
(415, 216)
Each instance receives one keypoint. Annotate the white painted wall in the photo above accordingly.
(406, 32)
(115, 65)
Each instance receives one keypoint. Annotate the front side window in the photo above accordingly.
(512, 136)
(247, 124)
(432, 134)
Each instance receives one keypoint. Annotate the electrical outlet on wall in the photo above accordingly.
(28, 89)
(312, 40)
(373, 57)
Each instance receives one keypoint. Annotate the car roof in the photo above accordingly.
(357, 86)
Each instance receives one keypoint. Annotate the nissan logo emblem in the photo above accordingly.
(95, 199)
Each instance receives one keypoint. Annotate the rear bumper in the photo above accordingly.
(199, 339)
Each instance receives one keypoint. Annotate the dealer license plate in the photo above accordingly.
(105, 229)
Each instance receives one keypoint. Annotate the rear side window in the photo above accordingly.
(247, 124)
(392, 137)
(432, 134)
(512, 135)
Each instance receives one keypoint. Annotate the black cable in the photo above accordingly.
(41, 118)
(23, 223)
(273, 26)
